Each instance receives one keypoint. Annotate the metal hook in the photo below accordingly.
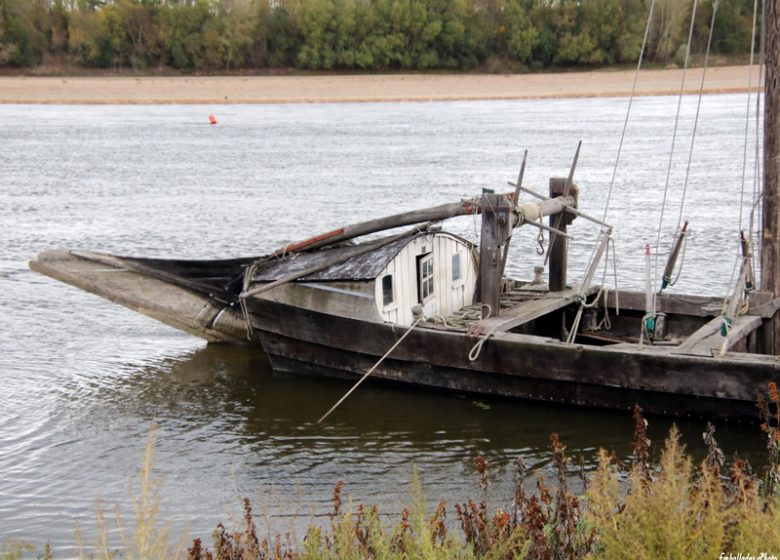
(540, 241)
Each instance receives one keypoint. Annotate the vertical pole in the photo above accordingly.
(559, 248)
(496, 230)
(770, 215)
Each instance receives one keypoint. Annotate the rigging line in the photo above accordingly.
(747, 113)
(757, 158)
(628, 110)
(671, 151)
(698, 108)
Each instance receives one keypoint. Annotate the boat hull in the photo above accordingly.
(111, 277)
(299, 340)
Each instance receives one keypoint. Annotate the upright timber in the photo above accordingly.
(770, 234)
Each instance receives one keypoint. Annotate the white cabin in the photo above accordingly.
(437, 270)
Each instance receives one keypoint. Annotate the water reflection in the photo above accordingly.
(380, 430)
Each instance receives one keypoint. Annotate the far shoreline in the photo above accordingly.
(362, 88)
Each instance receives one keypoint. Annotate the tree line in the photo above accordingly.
(368, 35)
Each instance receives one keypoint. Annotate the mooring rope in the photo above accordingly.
(371, 369)
(476, 350)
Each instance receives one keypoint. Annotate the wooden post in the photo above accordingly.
(770, 216)
(496, 230)
(559, 246)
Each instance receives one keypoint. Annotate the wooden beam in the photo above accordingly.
(435, 213)
(708, 339)
(568, 209)
(770, 217)
(559, 248)
(496, 231)
(761, 303)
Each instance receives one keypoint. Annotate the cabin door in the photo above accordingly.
(458, 289)
(425, 284)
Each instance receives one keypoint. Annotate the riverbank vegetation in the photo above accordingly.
(640, 508)
(72, 36)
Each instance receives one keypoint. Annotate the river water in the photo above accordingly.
(83, 379)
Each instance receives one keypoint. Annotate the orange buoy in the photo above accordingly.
(212, 119)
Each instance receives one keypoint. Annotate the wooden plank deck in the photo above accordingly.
(707, 340)
(527, 311)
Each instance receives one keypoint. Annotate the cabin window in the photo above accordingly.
(456, 267)
(425, 276)
(387, 289)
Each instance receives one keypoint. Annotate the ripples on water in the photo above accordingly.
(83, 379)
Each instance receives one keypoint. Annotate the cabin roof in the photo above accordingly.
(360, 267)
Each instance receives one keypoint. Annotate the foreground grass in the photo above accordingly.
(628, 510)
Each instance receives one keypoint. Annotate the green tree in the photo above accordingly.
(23, 32)
(733, 26)
(317, 20)
(182, 33)
(208, 35)
(389, 40)
(141, 33)
(485, 29)
(521, 34)
(671, 20)
(600, 21)
(96, 37)
(364, 27)
(276, 33)
(455, 45)
(633, 19)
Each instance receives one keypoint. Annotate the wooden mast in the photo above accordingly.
(498, 219)
(770, 217)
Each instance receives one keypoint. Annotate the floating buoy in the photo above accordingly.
(212, 119)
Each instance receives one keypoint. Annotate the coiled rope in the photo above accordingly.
(461, 319)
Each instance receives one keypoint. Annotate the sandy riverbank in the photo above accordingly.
(356, 88)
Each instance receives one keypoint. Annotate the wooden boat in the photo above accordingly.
(330, 306)
(325, 307)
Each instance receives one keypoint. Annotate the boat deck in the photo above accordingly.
(528, 302)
